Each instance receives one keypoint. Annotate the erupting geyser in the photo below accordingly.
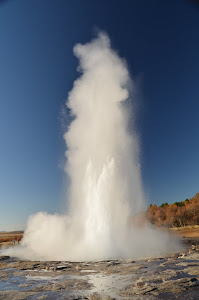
(103, 165)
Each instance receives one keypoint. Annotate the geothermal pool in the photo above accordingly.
(174, 276)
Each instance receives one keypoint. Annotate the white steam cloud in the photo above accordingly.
(103, 166)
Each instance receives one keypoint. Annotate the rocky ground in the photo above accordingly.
(173, 277)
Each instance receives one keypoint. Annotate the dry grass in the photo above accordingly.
(7, 238)
(187, 231)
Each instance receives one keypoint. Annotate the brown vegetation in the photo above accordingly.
(7, 238)
(178, 214)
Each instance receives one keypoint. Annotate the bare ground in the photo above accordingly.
(175, 276)
(187, 231)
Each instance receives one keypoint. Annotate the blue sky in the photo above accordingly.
(159, 40)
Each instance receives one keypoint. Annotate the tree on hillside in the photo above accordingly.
(177, 214)
(164, 204)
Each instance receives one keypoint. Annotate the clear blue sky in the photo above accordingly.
(159, 40)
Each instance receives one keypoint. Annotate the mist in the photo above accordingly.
(103, 164)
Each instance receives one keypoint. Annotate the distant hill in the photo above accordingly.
(17, 232)
(196, 197)
(177, 214)
(12, 232)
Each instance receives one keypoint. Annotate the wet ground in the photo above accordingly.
(175, 276)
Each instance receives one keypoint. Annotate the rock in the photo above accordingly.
(182, 255)
(97, 296)
(149, 290)
(140, 284)
(16, 295)
(193, 270)
(190, 251)
(194, 279)
(113, 263)
(157, 280)
(62, 267)
(130, 261)
(174, 255)
(5, 257)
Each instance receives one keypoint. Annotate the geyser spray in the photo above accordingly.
(103, 165)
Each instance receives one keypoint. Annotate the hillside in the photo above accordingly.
(177, 214)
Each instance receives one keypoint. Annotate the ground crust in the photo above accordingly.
(175, 276)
